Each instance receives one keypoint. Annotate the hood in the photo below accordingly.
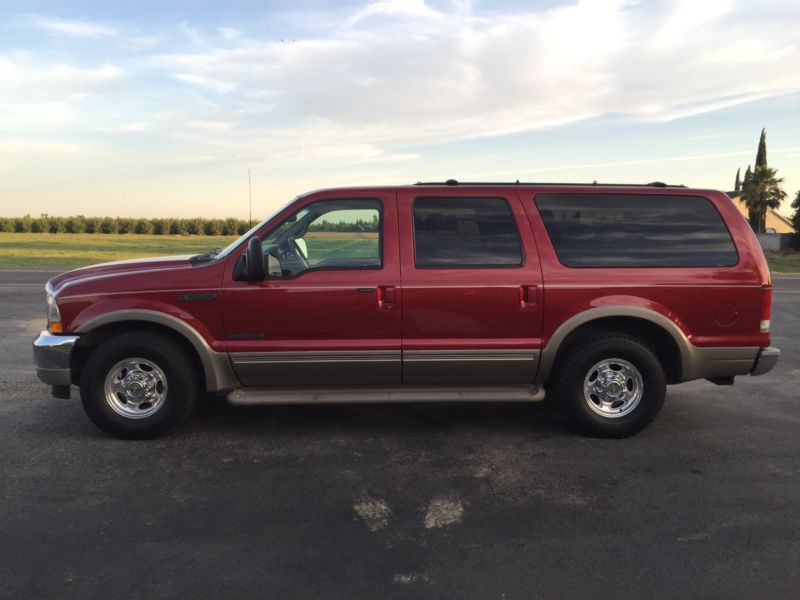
(119, 267)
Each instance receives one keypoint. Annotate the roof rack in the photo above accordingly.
(453, 182)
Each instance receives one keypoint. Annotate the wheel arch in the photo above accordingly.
(667, 340)
(216, 368)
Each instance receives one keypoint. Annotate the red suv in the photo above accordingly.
(598, 294)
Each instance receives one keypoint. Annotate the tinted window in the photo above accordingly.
(339, 234)
(603, 230)
(465, 232)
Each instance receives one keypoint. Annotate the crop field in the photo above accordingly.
(79, 249)
(322, 245)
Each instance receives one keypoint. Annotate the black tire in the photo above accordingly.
(179, 395)
(611, 351)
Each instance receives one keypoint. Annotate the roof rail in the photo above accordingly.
(453, 182)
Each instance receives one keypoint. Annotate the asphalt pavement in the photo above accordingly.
(401, 501)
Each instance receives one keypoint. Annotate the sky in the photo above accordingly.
(145, 108)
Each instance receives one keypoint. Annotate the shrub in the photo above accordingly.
(22, 224)
(177, 227)
(92, 225)
(143, 226)
(108, 225)
(229, 226)
(159, 226)
(124, 225)
(55, 225)
(194, 226)
(74, 224)
(212, 227)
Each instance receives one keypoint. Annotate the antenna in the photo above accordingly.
(250, 196)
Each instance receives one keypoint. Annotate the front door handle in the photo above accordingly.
(386, 296)
(529, 297)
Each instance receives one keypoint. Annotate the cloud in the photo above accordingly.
(393, 8)
(37, 97)
(687, 15)
(209, 126)
(228, 33)
(93, 30)
(416, 75)
(375, 83)
(75, 28)
(27, 81)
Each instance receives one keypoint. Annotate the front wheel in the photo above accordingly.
(611, 385)
(138, 385)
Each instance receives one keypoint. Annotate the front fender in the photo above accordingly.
(219, 374)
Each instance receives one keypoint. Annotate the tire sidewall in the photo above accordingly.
(171, 359)
(653, 380)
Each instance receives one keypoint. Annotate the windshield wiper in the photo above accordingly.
(206, 256)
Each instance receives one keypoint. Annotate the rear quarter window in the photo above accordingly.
(620, 230)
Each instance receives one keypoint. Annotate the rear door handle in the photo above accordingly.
(386, 296)
(529, 297)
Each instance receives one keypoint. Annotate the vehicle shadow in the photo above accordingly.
(214, 417)
(214, 414)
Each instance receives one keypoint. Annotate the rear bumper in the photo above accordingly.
(51, 354)
(765, 360)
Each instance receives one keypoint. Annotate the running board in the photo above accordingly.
(320, 395)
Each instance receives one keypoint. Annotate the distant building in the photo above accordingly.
(775, 223)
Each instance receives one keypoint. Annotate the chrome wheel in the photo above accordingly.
(135, 388)
(613, 388)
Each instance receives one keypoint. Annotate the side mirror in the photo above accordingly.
(255, 260)
(273, 266)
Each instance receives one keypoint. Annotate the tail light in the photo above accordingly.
(766, 308)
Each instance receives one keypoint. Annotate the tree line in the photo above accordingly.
(123, 225)
(360, 226)
(762, 189)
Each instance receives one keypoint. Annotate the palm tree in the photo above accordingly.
(761, 191)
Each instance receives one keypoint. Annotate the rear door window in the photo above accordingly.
(465, 232)
(620, 230)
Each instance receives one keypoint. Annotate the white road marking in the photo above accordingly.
(443, 511)
(409, 578)
(375, 513)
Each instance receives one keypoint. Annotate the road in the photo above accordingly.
(401, 501)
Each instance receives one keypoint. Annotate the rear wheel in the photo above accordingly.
(138, 385)
(611, 385)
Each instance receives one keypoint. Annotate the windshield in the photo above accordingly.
(247, 235)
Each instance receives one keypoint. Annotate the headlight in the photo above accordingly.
(53, 315)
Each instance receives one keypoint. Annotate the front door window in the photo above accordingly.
(332, 234)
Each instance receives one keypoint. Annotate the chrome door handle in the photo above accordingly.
(529, 297)
(386, 296)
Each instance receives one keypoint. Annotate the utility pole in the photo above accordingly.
(250, 195)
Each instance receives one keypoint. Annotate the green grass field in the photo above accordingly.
(79, 249)
(787, 261)
(75, 250)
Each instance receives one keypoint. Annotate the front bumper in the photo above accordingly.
(51, 354)
(765, 360)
